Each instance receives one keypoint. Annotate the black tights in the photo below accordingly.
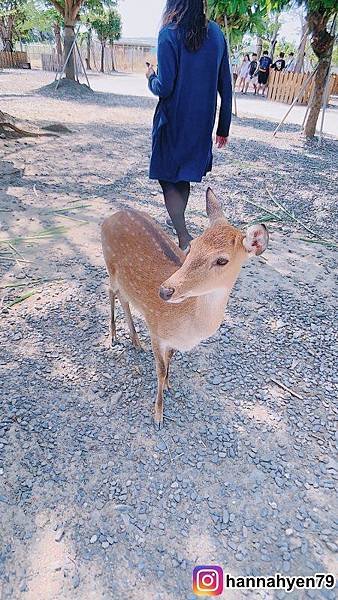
(176, 196)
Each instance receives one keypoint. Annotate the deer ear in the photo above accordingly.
(214, 207)
(256, 239)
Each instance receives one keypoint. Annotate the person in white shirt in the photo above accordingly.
(291, 63)
(243, 72)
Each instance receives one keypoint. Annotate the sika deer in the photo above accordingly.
(182, 298)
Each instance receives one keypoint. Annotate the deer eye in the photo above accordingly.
(221, 261)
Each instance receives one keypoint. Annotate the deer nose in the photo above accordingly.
(166, 293)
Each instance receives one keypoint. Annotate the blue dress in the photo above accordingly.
(187, 84)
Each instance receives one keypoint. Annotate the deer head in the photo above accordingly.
(215, 258)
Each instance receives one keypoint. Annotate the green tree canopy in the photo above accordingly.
(11, 14)
(243, 16)
(108, 27)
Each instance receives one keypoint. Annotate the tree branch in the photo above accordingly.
(76, 8)
(77, 3)
(58, 7)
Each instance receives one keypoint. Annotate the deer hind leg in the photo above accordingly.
(112, 296)
(168, 356)
(127, 313)
(162, 368)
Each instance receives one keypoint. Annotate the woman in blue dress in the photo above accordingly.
(193, 66)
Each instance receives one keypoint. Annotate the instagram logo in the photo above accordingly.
(207, 581)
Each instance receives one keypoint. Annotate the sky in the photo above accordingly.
(141, 18)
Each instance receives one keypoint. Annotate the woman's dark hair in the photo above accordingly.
(247, 55)
(190, 17)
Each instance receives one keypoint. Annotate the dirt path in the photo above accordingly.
(94, 504)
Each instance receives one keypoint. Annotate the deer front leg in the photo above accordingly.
(162, 364)
(168, 356)
(130, 322)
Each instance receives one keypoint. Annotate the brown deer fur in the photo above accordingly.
(142, 262)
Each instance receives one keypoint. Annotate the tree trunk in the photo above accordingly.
(259, 47)
(69, 39)
(317, 99)
(6, 33)
(272, 47)
(322, 44)
(301, 49)
(89, 42)
(57, 35)
(112, 57)
(102, 58)
(274, 37)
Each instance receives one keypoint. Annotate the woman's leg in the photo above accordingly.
(176, 196)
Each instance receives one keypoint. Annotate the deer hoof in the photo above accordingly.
(158, 419)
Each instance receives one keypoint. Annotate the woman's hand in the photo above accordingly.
(150, 71)
(221, 141)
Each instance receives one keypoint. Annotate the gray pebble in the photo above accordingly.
(59, 535)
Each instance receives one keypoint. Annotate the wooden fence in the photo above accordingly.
(10, 60)
(133, 57)
(284, 87)
(334, 85)
(50, 62)
(127, 57)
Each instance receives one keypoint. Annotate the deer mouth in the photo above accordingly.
(176, 300)
(170, 295)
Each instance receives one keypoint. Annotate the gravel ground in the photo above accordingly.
(94, 503)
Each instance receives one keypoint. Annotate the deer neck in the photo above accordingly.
(199, 318)
(212, 305)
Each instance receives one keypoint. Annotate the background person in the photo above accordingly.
(252, 77)
(279, 64)
(192, 66)
(235, 68)
(243, 72)
(291, 63)
(263, 72)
